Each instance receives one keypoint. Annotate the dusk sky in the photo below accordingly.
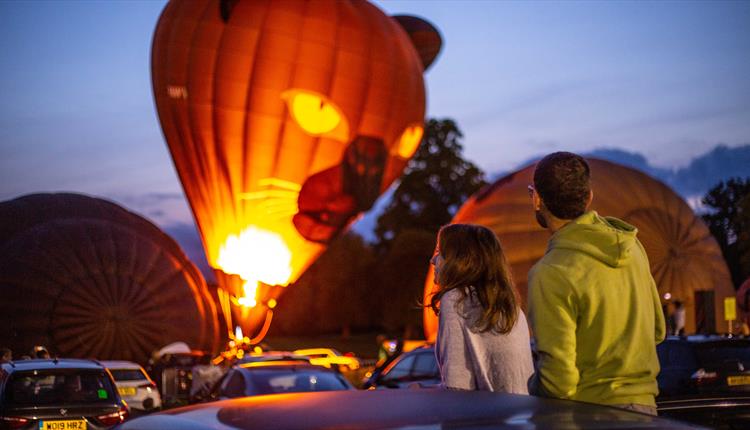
(670, 80)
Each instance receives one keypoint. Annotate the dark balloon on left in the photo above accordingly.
(89, 279)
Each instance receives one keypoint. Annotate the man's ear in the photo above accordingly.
(537, 201)
(423, 35)
(590, 199)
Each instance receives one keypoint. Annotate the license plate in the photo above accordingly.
(126, 391)
(738, 380)
(63, 425)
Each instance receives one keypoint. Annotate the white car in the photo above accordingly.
(328, 357)
(134, 385)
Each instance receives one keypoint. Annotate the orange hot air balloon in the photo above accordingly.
(685, 259)
(285, 120)
(89, 279)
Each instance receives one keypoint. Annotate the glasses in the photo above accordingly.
(531, 190)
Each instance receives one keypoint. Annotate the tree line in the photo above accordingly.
(357, 286)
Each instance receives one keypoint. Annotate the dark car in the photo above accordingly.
(59, 394)
(705, 380)
(417, 367)
(276, 377)
(399, 409)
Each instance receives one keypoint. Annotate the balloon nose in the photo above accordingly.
(363, 167)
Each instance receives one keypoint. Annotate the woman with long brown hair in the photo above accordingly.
(483, 338)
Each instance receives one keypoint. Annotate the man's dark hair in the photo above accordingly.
(562, 181)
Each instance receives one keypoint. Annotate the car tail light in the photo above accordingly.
(115, 417)
(701, 377)
(147, 385)
(14, 422)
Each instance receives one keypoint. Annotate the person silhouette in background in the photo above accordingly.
(678, 318)
(483, 339)
(40, 352)
(6, 355)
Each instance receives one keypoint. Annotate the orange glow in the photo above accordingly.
(315, 114)
(256, 256)
(409, 141)
(257, 129)
(250, 290)
(271, 304)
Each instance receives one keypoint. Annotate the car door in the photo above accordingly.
(230, 386)
(415, 367)
(678, 363)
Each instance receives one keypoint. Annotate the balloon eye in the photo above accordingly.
(313, 113)
(409, 141)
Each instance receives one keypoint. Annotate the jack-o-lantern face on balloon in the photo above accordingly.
(285, 120)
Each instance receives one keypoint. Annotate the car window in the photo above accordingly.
(58, 387)
(718, 356)
(400, 368)
(425, 364)
(266, 381)
(676, 355)
(233, 385)
(128, 374)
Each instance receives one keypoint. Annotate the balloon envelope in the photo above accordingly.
(87, 278)
(285, 120)
(684, 257)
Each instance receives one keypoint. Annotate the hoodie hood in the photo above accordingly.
(608, 239)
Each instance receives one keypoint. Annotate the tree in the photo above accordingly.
(435, 183)
(333, 294)
(729, 222)
(400, 277)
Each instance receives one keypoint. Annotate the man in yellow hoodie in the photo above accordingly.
(593, 304)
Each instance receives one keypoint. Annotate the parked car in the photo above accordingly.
(275, 377)
(705, 380)
(59, 394)
(173, 374)
(329, 357)
(416, 367)
(399, 409)
(256, 357)
(134, 385)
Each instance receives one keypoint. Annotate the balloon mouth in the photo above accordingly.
(255, 255)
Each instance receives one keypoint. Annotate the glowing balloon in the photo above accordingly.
(684, 257)
(89, 279)
(285, 120)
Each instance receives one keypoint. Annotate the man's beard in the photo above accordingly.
(540, 219)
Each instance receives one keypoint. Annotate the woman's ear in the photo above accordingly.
(423, 35)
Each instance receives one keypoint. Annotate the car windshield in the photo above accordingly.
(275, 381)
(128, 374)
(723, 355)
(58, 387)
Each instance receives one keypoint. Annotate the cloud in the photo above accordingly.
(187, 236)
(162, 208)
(682, 116)
(522, 101)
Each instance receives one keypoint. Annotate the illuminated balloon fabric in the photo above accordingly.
(684, 257)
(87, 278)
(285, 120)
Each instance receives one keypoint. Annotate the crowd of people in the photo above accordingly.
(593, 306)
(38, 351)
